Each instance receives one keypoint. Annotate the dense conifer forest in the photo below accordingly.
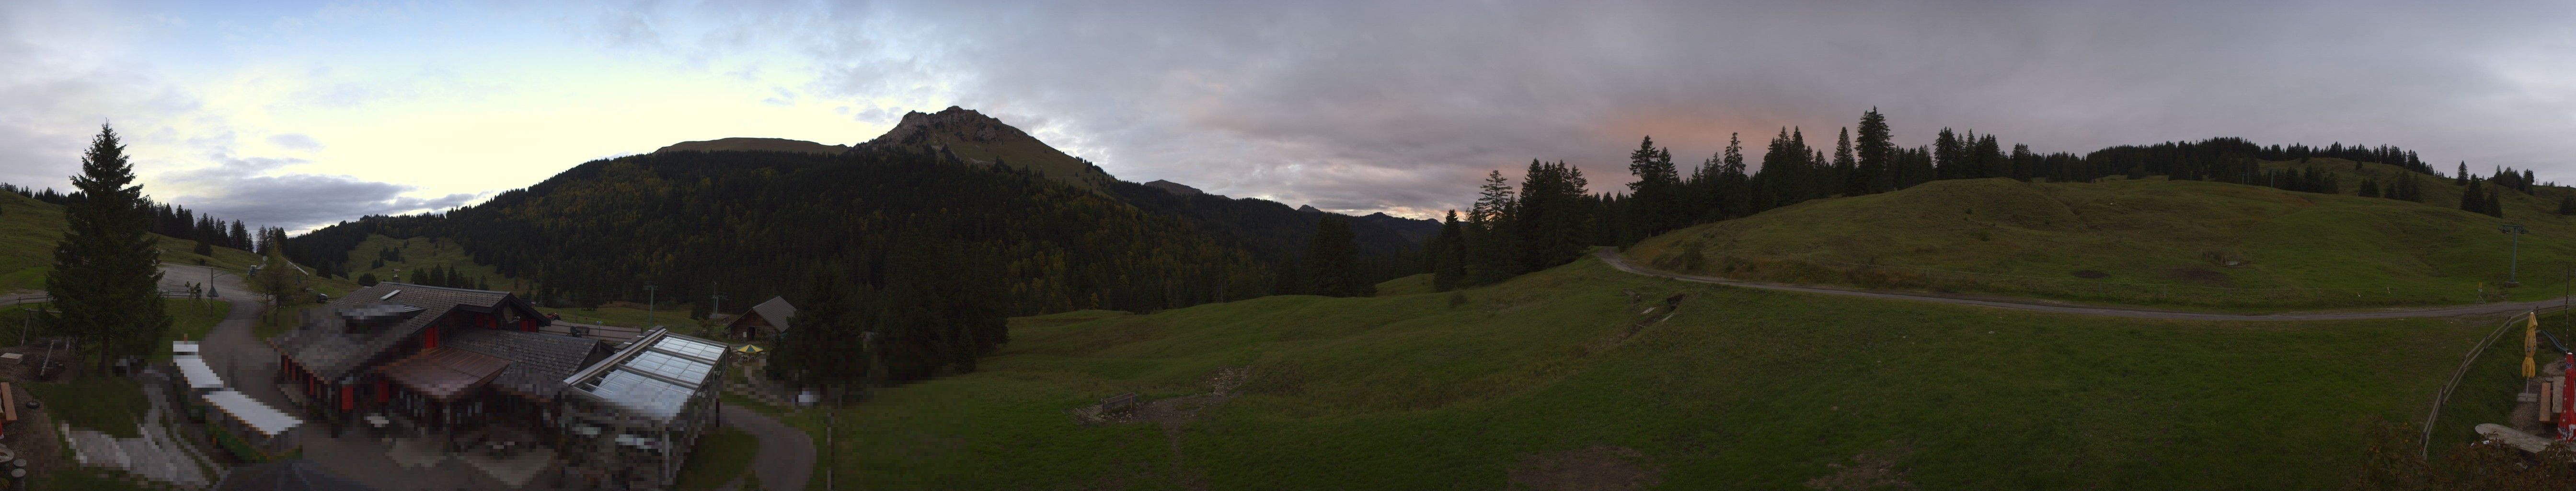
(755, 224)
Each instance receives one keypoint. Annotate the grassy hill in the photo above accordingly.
(29, 229)
(754, 144)
(419, 253)
(1537, 381)
(2152, 242)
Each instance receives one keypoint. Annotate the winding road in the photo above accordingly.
(1611, 256)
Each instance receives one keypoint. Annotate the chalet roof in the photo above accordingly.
(538, 362)
(443, 373)
(776, 311)
(333, 353)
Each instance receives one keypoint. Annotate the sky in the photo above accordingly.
(301, 114)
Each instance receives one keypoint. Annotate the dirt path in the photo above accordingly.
(1611, 256)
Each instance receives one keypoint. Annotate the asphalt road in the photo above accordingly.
(1611, 256)
(786, 458)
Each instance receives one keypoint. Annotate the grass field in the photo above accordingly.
(110, 405)
(2145, 242)
(418, 253)
(1409, 285)
(1743, 389)
(29, 229)
(721, 456)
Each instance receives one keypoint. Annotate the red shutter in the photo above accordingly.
(348, 398)
(430, 340)
(383, 390)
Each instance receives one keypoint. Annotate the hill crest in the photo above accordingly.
(754, 144)
(983, 140)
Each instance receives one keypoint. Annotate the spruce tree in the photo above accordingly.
(2471, 200)
(2462, 178)
(1875, 152)
(106, 276)
(1448, 252)
(2495, 205)
(1332, 261)
(1854, 183)
(2567, 205)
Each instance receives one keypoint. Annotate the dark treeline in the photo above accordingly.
(1283, 238)
(177, 222)
(1508, 232)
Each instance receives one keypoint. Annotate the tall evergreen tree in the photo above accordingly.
(1332, 261)
(1449, 254)
(106, 275)
(1656, 201)
(1876, 152)
(2567, 205)
(828, 346)
(2472, 199)
(1854, 182)
(2462, 178)
(1492, 249)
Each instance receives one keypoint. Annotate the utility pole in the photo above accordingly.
(718, 308)
(648, 304)
(2512, 275)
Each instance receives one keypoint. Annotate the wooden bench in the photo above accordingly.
(1118, 403)
(8, 406)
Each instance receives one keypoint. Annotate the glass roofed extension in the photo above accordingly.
(639, 412)
(653, 378)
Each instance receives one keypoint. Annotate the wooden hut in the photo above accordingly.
(764, 320)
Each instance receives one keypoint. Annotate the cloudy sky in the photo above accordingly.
(299, 114)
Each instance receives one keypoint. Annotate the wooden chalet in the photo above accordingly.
(432, 355)
(764, 320)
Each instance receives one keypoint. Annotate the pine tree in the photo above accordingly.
(2567, 205)
(106, 276)
(828, 346)
(2369, 188)
(1449, 255)
(2471, 199)
(1876, 153)
(1853, 181)
(1492, 254)
(1657, 203)
(2495, 205)
(2462, 178)
(1332, 261)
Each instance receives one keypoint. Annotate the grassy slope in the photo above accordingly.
(1026, 153)
(1420, 283)
(1745, 389)
(2158, 237)
(421, 252)
(29, 229)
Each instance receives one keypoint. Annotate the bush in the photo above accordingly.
(366, 279)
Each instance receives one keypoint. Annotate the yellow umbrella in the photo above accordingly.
(2530, 343)
(754, 349)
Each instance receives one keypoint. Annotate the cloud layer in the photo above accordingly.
(1399, 105)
